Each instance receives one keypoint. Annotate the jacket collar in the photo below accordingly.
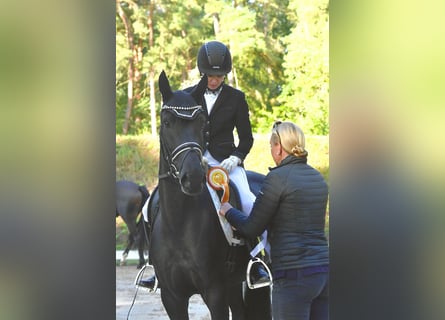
(290, 159)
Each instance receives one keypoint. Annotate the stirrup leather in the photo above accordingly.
(139, 278)
(258, 285)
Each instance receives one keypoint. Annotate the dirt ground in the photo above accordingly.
(147, 305)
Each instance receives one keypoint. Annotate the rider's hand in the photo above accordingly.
(230, 163)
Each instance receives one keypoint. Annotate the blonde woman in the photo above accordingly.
(292, 207)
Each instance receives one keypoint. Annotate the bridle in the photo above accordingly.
(186, 147)
(187, 113)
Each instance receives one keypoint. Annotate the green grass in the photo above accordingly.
(137, 159)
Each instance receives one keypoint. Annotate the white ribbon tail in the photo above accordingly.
(225, 225)
(262, 245)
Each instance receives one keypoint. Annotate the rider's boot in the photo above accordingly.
(148, 283)
(258, 275)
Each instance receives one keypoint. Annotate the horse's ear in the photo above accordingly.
(164, 87)
(200, 88)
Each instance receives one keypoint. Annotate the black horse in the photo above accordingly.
(130, 198)
(188, 249)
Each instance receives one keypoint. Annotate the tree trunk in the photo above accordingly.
(129, 101)
(216, 28)
(130, 71)
(152, 104)
(151, 72)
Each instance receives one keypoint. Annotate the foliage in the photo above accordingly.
(305, 93)
(279, 50)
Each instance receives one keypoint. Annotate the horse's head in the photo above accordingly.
(182, 137)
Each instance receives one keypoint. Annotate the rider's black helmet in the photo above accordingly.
(214, 59)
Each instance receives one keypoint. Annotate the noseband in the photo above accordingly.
(187, 113)
(170, 158)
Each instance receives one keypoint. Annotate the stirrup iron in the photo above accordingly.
(139, 278)
(257, 285)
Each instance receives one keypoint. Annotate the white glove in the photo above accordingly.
(230, 163)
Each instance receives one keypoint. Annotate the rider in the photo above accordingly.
(226, 109)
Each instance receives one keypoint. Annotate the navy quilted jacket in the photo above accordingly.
(292, 207)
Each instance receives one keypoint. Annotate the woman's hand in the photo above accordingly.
(224, 208)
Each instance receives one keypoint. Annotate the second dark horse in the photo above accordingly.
(188, 249)
(130, 198)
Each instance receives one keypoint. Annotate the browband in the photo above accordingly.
(188, 113)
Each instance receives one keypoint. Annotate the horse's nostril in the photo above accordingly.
(185, 181)
(192, 184)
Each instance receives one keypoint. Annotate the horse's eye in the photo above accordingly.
(167, 122)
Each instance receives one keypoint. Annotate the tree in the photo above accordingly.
(250, 31)
(131, 34)
(150, 37)
(305, 95)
